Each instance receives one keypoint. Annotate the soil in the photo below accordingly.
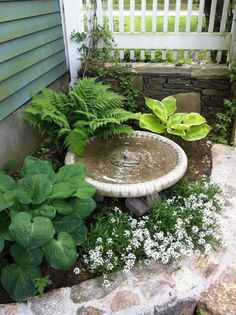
(199, 163)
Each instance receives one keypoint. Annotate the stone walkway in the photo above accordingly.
(208, 282)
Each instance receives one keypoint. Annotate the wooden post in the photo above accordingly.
(72, 16)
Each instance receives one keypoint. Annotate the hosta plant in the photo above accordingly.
(41, 217)
(189, 126)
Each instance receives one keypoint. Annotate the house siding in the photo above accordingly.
(32, 53)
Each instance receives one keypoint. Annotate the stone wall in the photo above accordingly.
(208, 85)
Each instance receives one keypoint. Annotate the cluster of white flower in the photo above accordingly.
(122, 248)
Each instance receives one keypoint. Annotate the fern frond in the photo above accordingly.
(76, 140)
(114, 132)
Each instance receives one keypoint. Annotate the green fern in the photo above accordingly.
(90, 108)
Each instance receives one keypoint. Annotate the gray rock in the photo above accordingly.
(89, 311)
(54, 303)
(176, 307)
(94, 289)
(188, 102)
(137, 206)
(124, 300)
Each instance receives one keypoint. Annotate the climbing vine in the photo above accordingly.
(99, 58)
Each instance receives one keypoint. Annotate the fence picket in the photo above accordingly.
(153, 54)
(212, 16)
(154, 16)
(99, 12)
(131, 54)
(166, 12)
(143, 15)
(222, 26)
(110, 15)
(121, 16)
(189, 15)
(132, 11)
(163, 54)
(200, 15)
(177, 14)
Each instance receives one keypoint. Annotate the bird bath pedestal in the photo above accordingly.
(135, 167)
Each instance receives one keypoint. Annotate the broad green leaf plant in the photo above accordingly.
(165, 120)
(42, 216)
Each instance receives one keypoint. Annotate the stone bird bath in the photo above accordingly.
(134, 166)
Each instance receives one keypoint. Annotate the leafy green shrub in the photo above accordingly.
(42, 216)
(186, 223)
(189, 126)
(90, 108)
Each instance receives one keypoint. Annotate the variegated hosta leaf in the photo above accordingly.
(158, 109)
(170, 104)
(193, 119)
(152, 123)
(197, 133)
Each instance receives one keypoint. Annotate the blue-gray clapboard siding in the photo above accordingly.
(32, 53)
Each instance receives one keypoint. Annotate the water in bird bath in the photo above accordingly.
(127, 160)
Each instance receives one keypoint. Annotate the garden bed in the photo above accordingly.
(199, 163)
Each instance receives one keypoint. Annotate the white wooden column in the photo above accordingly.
(232, 52)
(72, 15)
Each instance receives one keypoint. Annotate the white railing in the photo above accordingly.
(180, 28)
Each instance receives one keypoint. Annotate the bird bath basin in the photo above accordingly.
(138, 165)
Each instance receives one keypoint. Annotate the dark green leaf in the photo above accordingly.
(62, 207)
(61, 252)
(85, 190)
(34, 166)
(62, 190)
(83, 207)
(79, 235)
(67, 223)
(31, 233)
(18, 281)
(33, 189)
(25, 257)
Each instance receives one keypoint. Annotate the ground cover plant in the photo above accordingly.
(186, 222)
(42, 217)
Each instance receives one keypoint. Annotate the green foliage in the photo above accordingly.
(90, 108)
(223, 124)
(41, 216)
(189, 126)
(42, 283)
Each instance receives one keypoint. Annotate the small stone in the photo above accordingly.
(8, 309)
(94, 290)
(159, 290)
(137, 206)
(176, 307)
(54, 303)
(124, 300)
(89, 311)
(184, 279)
(220, 298)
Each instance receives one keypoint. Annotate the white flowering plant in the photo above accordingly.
(185, 223)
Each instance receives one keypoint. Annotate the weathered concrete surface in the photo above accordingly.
(17, 138)
(159, 289)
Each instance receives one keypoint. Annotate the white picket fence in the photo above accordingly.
(123, 22)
